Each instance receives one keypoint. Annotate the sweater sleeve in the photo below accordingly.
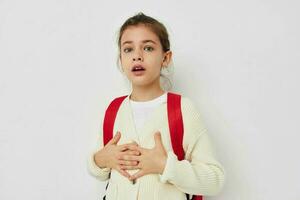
(199, 173)
(93, 169)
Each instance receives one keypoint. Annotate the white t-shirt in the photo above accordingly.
(141, 110)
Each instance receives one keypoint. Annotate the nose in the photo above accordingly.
(137, 56)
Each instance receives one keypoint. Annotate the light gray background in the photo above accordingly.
(237, 60)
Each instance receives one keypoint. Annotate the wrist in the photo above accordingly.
(163, 164)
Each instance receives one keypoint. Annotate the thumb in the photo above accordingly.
(157, 139)
(115, 139)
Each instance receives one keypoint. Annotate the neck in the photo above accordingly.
(146, 93)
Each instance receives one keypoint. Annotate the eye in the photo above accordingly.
(126, 50)
(148, 48)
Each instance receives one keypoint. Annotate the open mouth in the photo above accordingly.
(138, 68)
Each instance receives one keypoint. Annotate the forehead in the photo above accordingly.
(139, 33)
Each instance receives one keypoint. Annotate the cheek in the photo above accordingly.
(156, 62)
(125, 60)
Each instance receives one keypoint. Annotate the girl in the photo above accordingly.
(139, 161)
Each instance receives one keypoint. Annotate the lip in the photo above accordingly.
(138, 73)
(137, 65)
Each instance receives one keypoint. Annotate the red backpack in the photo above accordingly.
(174, 119)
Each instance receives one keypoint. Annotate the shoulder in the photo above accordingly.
(192, 118)
(108, 100)
(189, 107)
(186, 102)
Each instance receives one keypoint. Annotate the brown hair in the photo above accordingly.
(158, 28)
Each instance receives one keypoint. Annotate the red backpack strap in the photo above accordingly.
(197, 197)
(176, 127)
(109, 118)
(175, 123)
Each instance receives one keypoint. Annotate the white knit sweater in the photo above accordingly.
(200, 173)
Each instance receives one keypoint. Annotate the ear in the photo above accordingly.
(167, 58)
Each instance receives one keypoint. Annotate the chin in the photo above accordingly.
(137, 83)
(140, 82)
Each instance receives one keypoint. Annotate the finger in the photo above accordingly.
(128, 163)
(130, 158)
(121, 155)
(129, 144)
(125, 147)
(115, 139)
(137, 175)
(131, 152)
(138, 149)
(126, 167)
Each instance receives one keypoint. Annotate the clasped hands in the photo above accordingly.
(131, 156)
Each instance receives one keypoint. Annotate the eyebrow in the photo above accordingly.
(143, 41)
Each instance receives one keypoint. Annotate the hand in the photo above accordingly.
(110, 155)
(151, 161)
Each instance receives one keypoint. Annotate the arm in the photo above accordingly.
(200, 173)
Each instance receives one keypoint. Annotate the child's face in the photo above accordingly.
(140, 46)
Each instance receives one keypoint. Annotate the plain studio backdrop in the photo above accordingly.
(237, 60)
